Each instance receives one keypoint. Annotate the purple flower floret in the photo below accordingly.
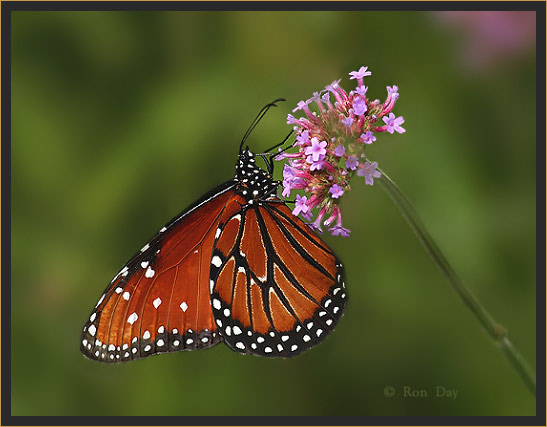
(338, 230)
(394, 123)
(317, 149)
(339, 151)
(368, 137)
(368, 170)
(300, 205)
(347, 122)
(359, 107)
(315, 165)
(331, 139)
(361, 90)
(303, 138)
(360, 74)
(336, 191)
(352, 163)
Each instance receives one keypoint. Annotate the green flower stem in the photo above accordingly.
(496, 331)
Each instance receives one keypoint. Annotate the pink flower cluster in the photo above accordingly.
(331, 145)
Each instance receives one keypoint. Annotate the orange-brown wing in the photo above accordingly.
(159, 301)
(277, 289)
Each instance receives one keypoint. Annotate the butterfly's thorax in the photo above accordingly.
(254, 183)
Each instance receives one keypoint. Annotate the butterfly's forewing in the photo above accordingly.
(277, 289)
(159, 301)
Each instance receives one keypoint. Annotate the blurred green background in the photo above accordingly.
(122, 119)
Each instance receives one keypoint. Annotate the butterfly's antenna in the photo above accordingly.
(269, 160)
(280, 144)
(257, 119)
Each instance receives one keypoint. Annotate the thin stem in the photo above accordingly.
(495, 330)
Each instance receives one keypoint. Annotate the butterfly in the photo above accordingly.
(235, 266)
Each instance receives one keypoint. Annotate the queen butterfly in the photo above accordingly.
(235, 266)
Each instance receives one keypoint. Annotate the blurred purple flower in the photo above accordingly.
(490, 37)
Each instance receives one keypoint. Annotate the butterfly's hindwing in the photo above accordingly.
(276, 288)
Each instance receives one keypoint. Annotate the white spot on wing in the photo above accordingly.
(92, 330)
(125, 296)
(216, 261)
(149, 273)
(146, 335)
(145, 247)
(157, 302)
(144, 264)
(132, 318)
(262, 278)
(184, 306)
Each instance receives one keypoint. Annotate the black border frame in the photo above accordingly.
(9, 6)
